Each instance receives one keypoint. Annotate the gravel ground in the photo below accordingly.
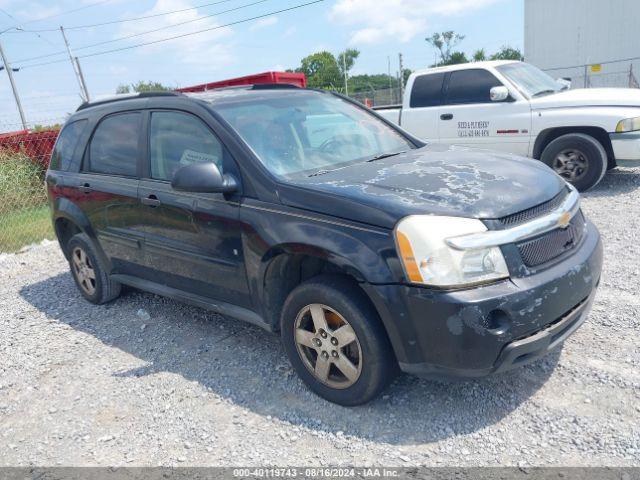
(148, 381)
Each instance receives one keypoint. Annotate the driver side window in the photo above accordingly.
(470, 86)
(178, 139)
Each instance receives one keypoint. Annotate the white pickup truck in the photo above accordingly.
(517, 108)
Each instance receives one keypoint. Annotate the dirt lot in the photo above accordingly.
(148, 381)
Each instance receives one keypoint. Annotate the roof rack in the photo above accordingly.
(129, 96)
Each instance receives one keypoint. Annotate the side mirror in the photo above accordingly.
(565, 83)
(203, 178)
(499, 94)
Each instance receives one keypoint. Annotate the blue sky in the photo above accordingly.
(378, 28)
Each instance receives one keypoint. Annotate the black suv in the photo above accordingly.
(307, 214)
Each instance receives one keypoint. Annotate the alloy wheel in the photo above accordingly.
(84, 271)
(328, 346)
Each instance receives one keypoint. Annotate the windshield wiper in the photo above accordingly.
(319, 172)
(386, 155)
(373, 159)
(544, 92)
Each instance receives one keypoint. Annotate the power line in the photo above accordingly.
(84, 47)
(79, 27)
(55, 15)
(180, 36)
(37, 34)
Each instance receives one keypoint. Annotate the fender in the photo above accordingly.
(65, 208)
(366, 253)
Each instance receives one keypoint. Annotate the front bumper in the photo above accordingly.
(480, 331)
(626, 146)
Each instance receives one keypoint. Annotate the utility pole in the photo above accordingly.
(75, 63)
(9, 70)
(390, 83)
(344, 67)
(84, 84)
(401, 76)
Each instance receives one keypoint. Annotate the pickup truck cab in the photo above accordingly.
(304, 213)
(515, 107)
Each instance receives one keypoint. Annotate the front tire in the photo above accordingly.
(90, 276)
(336, 342)
(578, 158)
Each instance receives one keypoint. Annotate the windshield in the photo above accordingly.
(307, 132)
(531, 81)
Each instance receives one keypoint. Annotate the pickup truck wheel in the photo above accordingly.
(578, 158)
(335, 341)
(90, 277)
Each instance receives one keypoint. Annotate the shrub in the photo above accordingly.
(21, 182)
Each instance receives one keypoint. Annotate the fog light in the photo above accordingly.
(497, 322)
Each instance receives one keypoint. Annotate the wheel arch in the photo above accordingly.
(69, 220)
(286, 266)
(545, 137)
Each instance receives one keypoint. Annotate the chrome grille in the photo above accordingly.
(535, 212)
(553, 244)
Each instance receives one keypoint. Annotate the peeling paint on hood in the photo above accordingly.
(436, 179)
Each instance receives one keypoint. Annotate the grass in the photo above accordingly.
(24, 212)
(23, 227)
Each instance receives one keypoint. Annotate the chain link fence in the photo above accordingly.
(24, 212)
(378, 98)
(624, 73)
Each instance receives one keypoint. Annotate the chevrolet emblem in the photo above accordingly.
(564, 220)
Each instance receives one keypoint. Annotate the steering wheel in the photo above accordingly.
(331, 145)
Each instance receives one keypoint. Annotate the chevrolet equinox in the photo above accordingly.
(307, 214)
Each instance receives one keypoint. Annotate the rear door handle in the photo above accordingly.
(446, 116)
(151, 201)
(85, 188)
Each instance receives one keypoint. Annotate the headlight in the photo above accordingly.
(628, 125)
(428, 260)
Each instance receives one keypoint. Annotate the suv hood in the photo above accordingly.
(588, 97)
(436, 179)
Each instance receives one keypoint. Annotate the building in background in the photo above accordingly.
(595, 43)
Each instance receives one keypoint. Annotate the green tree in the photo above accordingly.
(508, 53)
(479, 55)
(142, 86)
(445, 42)
(406, 73)
(370, 83)
(455, 58)
(321, 70)
(347, 59)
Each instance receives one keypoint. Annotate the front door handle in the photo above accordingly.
(151, 201)
(85, 188)
(446, 116)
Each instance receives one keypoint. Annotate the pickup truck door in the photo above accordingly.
(421, 111)
(469, 117)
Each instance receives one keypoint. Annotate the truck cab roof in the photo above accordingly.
(465, 66)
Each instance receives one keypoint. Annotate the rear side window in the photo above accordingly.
(66, 144)
(471, 86)
(179, 139)
(427, 90)
(114, 146)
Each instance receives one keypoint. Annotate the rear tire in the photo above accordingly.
(348, 359)
(89, 274)
(579, 158)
